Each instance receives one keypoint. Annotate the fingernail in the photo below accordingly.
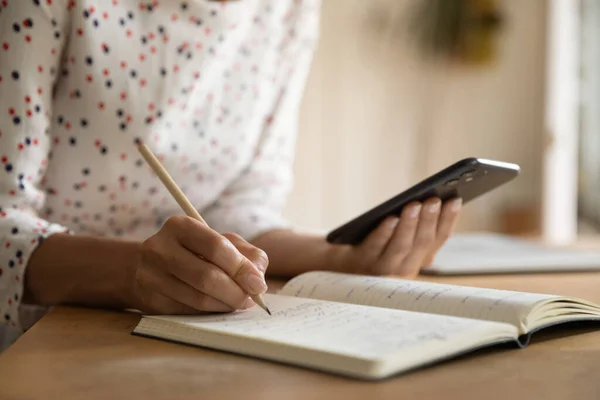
(456, 205)
(392, 222)
(414, 211)
(249, 303)
(434, 207)
(254, 284)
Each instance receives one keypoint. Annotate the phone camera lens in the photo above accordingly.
(468, 176)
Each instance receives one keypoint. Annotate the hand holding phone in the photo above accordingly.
(403, 234)
(466, 179)
(401, 245)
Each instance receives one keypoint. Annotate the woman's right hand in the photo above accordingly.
(187, 268)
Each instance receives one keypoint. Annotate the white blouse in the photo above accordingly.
(213, 89)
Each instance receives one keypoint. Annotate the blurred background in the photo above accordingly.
(402, 88)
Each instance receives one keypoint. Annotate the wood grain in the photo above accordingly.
(77, 353)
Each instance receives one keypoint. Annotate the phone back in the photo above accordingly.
(467, 179)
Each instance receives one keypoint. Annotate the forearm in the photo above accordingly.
(88, 271)
(292, 253)
(98, 272)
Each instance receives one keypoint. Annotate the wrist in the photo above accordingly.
(336, 257)
(125, 293)
(292, 253)
(86, 271)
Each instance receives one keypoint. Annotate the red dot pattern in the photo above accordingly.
(212, 87)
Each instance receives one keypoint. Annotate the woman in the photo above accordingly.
(213, 88)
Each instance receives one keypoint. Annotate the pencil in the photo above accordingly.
(182, 200)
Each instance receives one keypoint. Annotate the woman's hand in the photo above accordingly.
(402, 246)
(187, 267)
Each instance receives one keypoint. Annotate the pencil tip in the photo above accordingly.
(268, 311)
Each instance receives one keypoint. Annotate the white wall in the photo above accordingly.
(364, 122)
(562, 122)
(590, 117)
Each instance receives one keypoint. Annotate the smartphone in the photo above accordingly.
(468, 178)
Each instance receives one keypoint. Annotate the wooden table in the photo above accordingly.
(89, 354)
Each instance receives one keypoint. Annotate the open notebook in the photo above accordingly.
(492, 253)
(371, 327)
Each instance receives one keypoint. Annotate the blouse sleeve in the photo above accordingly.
(32, 35)
(254, 203)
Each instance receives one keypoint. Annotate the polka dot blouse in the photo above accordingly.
(213, 88)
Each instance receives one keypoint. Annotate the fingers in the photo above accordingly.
(375, 243)
(171, 258)
(446, 224)
(156, 303)
(168, 292)
(400, 244)
(412, 240)
(218, 250)
(211, 280)
(424, 239)
(201, 240)
(256, 256)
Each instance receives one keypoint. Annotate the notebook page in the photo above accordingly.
(345, 329)
(469, 302)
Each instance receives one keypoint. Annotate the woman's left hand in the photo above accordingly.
(402, 245)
